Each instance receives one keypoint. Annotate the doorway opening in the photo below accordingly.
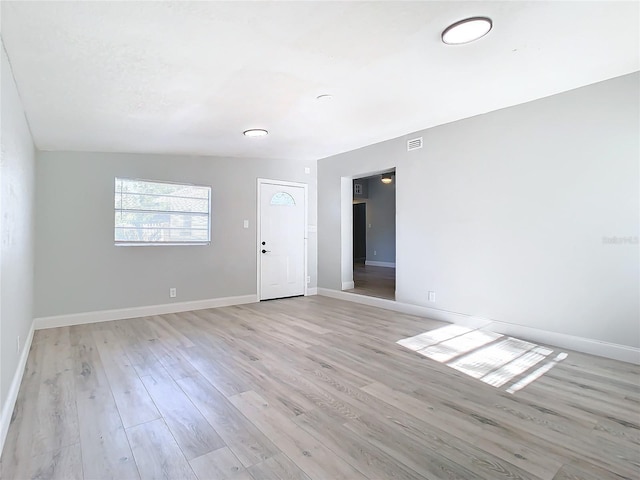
(374, 235)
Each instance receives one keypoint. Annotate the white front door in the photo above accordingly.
(282, 240)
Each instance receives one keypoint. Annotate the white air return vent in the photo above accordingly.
(414, 144)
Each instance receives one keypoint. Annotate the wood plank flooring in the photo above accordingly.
(307, 388)
(374, 281)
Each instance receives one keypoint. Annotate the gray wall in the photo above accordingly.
(16, 228)
(78, 269)
(381, 215)
(503, 215)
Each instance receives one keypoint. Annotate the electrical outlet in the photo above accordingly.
(432, 296)
(246, 224)
(172, 293)
(308, 280)
(375, 253)
(18, 344)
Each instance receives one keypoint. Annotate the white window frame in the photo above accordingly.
(121, 243)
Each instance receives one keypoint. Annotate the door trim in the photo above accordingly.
(260, 182)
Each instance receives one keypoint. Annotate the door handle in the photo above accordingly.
(265, 251)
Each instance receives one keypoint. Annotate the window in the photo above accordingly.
(160, 213)
(282, 198)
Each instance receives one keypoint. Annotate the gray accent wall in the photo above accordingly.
(78, 268)
(16, 227)
(381, 215)
(527, 215)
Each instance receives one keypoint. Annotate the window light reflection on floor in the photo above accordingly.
(495, 359)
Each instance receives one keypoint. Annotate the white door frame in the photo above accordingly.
(346, 233)
(260, 182)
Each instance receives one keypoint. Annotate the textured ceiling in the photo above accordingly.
(189, 77)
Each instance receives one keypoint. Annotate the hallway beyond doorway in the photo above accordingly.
(374, 281)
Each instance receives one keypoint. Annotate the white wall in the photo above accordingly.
(78, 268)
(17, 230)
(503, 215)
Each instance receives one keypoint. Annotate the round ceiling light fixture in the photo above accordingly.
(467, 30)
(386, 178)
(255, 132)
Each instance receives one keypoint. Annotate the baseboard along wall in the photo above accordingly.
(374, 263)
(14, 388)
(347, 285)
(134, 312)
(613, 351)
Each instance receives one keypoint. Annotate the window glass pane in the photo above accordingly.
(155, 212)
(282, 198)
(137, 201)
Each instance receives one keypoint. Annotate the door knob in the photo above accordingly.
(265, 251)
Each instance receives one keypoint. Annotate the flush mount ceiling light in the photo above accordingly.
(466, 31)
(386, 178)
(255, 132)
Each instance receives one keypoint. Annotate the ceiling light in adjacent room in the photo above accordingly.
(386, 178)
(466, 31)
(255, 132)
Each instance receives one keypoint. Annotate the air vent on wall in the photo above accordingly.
(414, 144)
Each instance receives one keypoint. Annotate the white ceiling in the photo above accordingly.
(189, 77)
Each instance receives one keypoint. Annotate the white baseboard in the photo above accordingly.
(614, 351)
(373, 263)
(433, 313)
(312, 291)
(133, 312)
(14, 388)
(348, 285)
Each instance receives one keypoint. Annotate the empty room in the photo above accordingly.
(320, 240)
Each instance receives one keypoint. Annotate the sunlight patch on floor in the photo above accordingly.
(493, 358)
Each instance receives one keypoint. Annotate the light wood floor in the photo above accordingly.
(305, 388)
(374, 281)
